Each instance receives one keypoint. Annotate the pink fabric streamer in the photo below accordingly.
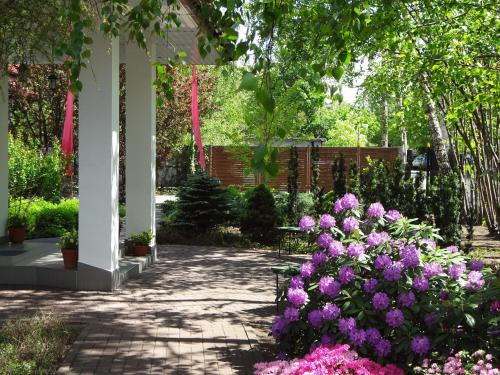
(67, 136)
(196, 119)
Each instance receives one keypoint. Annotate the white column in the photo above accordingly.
(140, 140)
(4, 168)
(98, 157)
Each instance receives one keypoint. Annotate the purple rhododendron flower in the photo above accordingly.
(393, 271)
(328, 286)
(431, 318)
(374, 239)
(380, 301)
(350, 224)
(346, 274)
(324, 240)
(476, 265)
(326, 221)
(393, 216)
(297, 296)
(474, 280)
(452, 249)
(336, 249)
(279, 325)
(349, 202)
(315, 317)
(394, 318)
(420, 345)
(318, 258)
(383, 348)
(370, 285)
(338, 206)
(296, 282)
(372, 335)
(432, 269)
(495, 306)
(406, 299)
(327, 339)
(375, 210)
(410, 256)
(382, 261)
(357, 337)
(420, 284)
(430, 243)
(331, 311)
(456, 270)
(307, 269)
(355, 249)
(291, 314)
(306, 223)
(346, 325)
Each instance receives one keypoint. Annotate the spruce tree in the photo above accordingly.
(338, 176)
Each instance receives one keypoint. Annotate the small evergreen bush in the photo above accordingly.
(202, 205)
(338, 176)
(447, 202)
(293, 185)
(261, 217)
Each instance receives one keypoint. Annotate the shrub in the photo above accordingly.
(446, 208)
(202, 204)
(338, 176)
(260, 219)
(141, 239)
(293, 185)
(281, 203)
(381, 284)
(327, 359)
(69, 240)
(479, 363)
(305, 204)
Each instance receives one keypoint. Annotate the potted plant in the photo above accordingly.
(140, 243)
(69, 249)
(16, 222)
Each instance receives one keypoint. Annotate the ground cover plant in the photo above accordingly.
(34, 345)
(379, 283)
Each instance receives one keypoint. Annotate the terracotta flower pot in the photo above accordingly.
(70, 257)
(140, 250)
(17, 234)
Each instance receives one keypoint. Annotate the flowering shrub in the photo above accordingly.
(325, 360)
(382, 285)
(461, 363)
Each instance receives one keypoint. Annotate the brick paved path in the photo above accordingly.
(197, 311)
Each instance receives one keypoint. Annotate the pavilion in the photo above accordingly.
(98, 266)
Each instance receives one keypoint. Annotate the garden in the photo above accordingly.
(350, 147)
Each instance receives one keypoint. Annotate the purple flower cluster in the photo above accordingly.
(429, 243)
(456, 270)
(346, 325)
(346, 274)
(380, 301)
(410, 256)
(297, 296)
(357, 337)
(350, 224)
(375, 210)
(307, 269)
(392, 216)
(326, 221)
(324, 240)
(355, 249)
(382, 261)
(452, 249)
(420, 345)
(347, 202)
(328, 286)
(474, 280)
(296, 282)
(432, 269)
(318, 258)
(306, 223)
(315, 317)
(370, 285)
(393, 271)
(476, 265)
(406, 299)
(336, 249)
(375, 239)
(279, 325)
(420, 284)
(394, 318)
(383, 347)
(291, 314)
(331, 311)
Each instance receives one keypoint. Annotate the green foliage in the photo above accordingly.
(218, 236)
(69, 240)
(260, 219)
(141, 239)
(202, 204)
(447, 202)
(375, 182)
(34, 344)
(293, 185)
(16, 220)
(338, 176)
(354, 185)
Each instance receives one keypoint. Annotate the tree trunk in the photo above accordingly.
(384, 142)
(438, 143)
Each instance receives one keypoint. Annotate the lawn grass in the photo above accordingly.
(34, 345)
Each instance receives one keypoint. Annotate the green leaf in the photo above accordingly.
(248, 82)
(338, 72)
(471, 322)
(265, 99)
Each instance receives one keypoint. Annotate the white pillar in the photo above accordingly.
(4, 167)
(140, 140)
(98, 163)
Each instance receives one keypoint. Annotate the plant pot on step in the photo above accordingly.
(70, 258)
(140, 250)
(17, 235)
